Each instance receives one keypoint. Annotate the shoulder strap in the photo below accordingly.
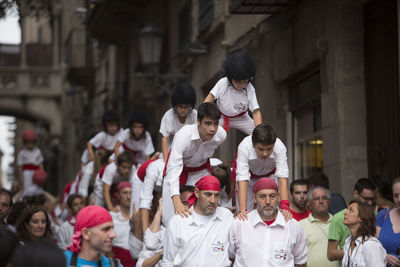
(114, 262)
(74, 260)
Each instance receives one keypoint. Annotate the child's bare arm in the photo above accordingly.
(164, 147)
(116, 149)
(209, 98)
(257, 117)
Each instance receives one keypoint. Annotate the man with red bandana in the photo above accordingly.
(266, 239)
(202, 238)
(93, 236)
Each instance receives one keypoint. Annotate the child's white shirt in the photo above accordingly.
(105, 140)
(27, 156)
(170, 123)
(232, 102)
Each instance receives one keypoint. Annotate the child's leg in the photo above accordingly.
(27, 175)
(250, 202)
(98, 193)
(243, 123)
(167, 205)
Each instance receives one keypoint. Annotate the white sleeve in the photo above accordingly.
(87, 172)
(20, 158)
(39, 158)
(137, 185)
(166, 125)
(98, 139)
(300, 251)
(218, 88)
(108, 175)
(62, 237)
(232, 242)
(125, 134)
(152, 241)
(374, 254)
(146, 193)
(135, 246)
(282, 169)
(149, 148)
(180, 143)
(252, 98)
(170, 245)
(242, 163)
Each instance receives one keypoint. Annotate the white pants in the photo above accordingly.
(27, 175)
(98, 193)
(243, 123)
(87, 171)
(167, 204)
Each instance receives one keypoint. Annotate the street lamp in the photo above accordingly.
(150, 42)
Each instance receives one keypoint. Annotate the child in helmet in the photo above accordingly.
(235, 94)
(107, 138)
(29, 159)
(136, 139)
(183, 100)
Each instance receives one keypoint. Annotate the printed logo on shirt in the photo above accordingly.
(217, 247)
(240, 107)
(281, 254)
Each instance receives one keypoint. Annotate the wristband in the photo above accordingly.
(284, 204)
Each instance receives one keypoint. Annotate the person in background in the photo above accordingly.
(6, 204)
(316, 227)
(34, 224)
(383, 193)
(75, 203)
(8, 243)
(298, 196)
(364, 191)
(388, 227)
(361, 247)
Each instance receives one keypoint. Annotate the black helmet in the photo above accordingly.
(109, 116)
(183, 94)
(239, 66)
(138, 116)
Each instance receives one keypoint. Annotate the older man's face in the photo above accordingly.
(267, 202)
(5, 205)
(320, 202)
(100, 237)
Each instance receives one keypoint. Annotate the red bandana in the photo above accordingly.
(207, 182)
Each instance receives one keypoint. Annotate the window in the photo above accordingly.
(185, 24)
(305, 105)
(206, 13)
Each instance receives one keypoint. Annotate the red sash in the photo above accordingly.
(226, 119)
(124, 256)
(141, 172)
(186, 170)
(252, 176)
(134, 152)
(30, 167)
(101, 172)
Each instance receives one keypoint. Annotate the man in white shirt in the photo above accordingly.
(260, 155)
(110, 176)
(189, 158)
(202, 238)
(316, 227)
(265, 239)
(75, 203)
(127, 244)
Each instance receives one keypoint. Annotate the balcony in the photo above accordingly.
(271, 7)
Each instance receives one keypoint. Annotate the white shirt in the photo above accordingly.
(103, 139)
(152, 244)
(253, 243)
(232, 102)
(112, 176)
(152, 181)
(27, 156)
(85, 156)
(170, 123)
(247, 160)
(64, 237)
(144, 145)
(189, 150)
(369, 253)
(124, 237)
(190, 243)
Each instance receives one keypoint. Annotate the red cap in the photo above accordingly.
(29, 135)
(39, 177)
(207, 182)
(264, 183)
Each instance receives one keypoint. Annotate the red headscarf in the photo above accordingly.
(88, 217)
(207, 182)
(122, 185)
(264, 183)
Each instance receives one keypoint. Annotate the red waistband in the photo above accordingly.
(226, 125)
(235, 116)
(255, 176)
(124, 256)
(186, 170)
(30, 167)
(129, 149)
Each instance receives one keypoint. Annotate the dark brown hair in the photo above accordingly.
(23, 232)
(368, 221)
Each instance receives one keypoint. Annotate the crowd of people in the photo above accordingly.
(132, 206)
